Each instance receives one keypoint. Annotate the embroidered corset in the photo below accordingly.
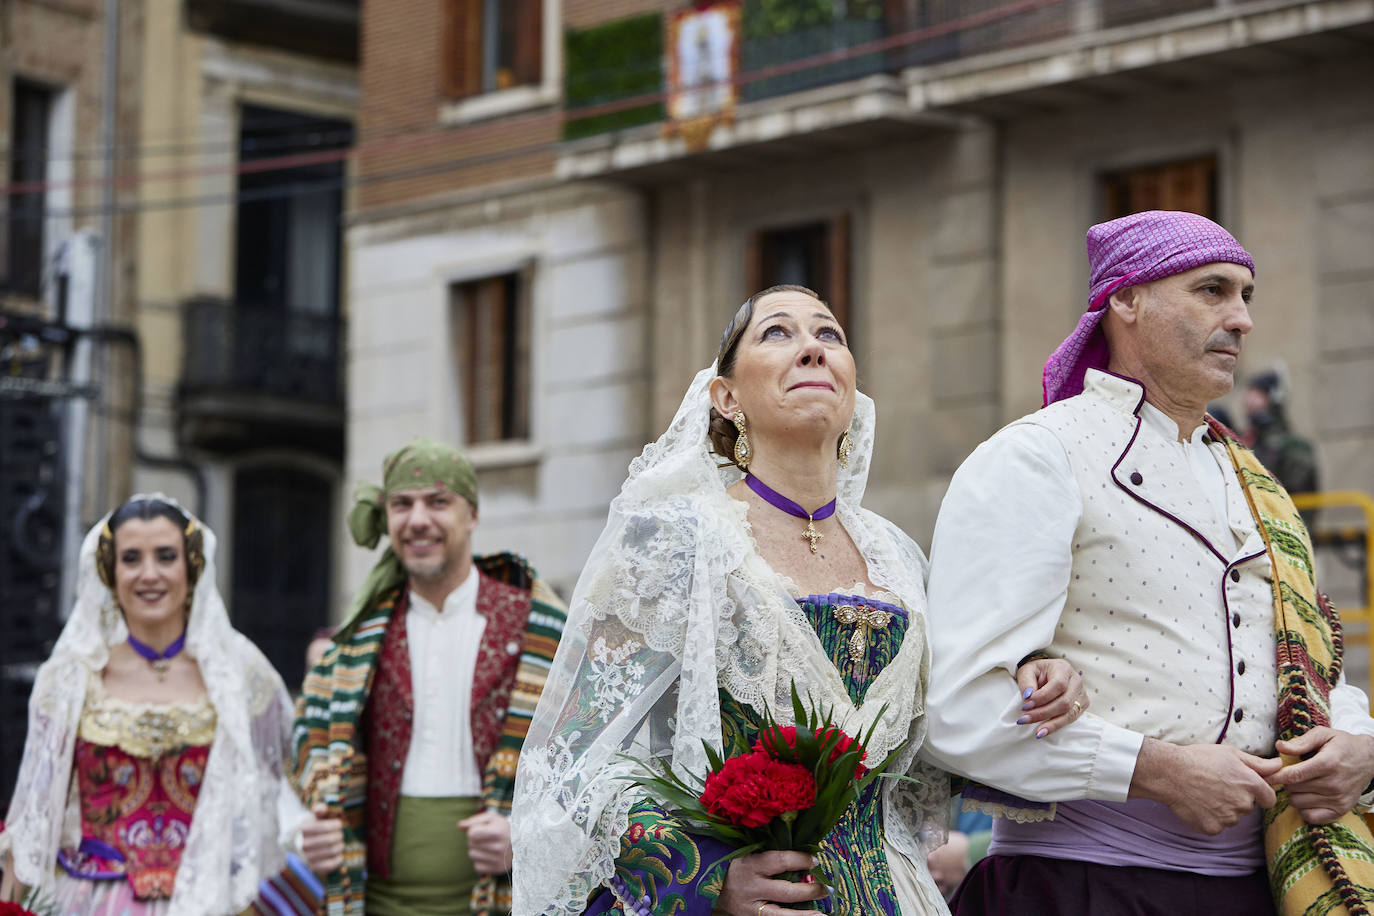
(669, 869)
(138, 769)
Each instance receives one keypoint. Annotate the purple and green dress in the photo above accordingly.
(669, 870)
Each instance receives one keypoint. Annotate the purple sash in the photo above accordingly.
(93, 859)
(1134, 832)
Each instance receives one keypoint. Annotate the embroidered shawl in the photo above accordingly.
(1313, 868)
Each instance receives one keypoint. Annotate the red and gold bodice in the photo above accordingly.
(138, 769)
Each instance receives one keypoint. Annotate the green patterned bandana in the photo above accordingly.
(421, 464)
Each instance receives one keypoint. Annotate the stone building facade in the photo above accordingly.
(939, 179)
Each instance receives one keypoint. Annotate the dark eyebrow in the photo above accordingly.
(1223, 280)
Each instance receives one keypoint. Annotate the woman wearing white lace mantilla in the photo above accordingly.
(151, 782)
(714, 588)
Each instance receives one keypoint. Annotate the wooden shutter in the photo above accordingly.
(753, 269)
(493, 349)
(461, 71)
(529, 41)
(1188, 185)
(837, 258)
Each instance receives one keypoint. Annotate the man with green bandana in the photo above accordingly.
(410, 727)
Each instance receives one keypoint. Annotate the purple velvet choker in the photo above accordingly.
(160, 661)
(778, 501)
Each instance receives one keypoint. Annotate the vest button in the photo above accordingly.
(406, 715)
(1240, 714)
(1235, 619)
(1235, 575)
(1136, 478)
(395, 765)
(1240, 669)
(383, 805)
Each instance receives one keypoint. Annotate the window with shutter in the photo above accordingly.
(490, 45)
(1185, 185)
(815, 255)
(490, 322)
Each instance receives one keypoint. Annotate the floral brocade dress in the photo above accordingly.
(137, 771)
(666, 869)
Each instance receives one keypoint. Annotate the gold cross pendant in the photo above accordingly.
(811, 534)
(865, 619)
(160, 668)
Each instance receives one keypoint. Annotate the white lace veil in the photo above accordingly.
(233, 839)
(674, 604)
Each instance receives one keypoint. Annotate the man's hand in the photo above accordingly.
(488, 842)
(1330, 781)
(1209, 786)
(322, 841)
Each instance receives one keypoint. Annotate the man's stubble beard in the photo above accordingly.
(421, 574)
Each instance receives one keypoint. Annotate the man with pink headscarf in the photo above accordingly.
(1134, 537)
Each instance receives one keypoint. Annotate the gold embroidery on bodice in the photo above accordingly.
(148, 730)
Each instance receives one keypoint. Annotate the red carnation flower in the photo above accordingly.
(790, 787)
(752, 789)
(13, 909)
(779, 740)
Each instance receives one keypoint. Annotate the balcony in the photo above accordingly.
(849, 74)
(260, 377)
(319, 28)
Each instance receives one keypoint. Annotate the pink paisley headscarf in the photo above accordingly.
(1126, 252)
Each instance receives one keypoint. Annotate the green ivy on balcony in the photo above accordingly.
(608, 63)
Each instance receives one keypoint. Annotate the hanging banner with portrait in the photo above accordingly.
(703, 66)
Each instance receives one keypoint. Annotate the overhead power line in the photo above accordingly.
(437, 134)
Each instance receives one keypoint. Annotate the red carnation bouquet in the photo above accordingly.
(787, 792)
(40, 908)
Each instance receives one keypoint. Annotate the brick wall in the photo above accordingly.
(399, 123)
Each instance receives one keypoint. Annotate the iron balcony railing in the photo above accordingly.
(259, 350)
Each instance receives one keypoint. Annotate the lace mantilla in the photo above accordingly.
(234, 836)
(148, 730)
(674, 605)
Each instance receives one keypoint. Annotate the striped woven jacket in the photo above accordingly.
(329, 759)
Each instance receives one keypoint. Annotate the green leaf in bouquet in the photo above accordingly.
(799, 712)
(712, 758)
(39, 903)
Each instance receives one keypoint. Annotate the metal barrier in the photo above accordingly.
(1350, 536)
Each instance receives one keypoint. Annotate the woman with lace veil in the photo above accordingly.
(736, 563)
(151, 781)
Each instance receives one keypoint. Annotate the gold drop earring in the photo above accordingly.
(743, 452)
(846, 448)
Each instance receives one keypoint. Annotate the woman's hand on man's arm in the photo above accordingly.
(1053, 693)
